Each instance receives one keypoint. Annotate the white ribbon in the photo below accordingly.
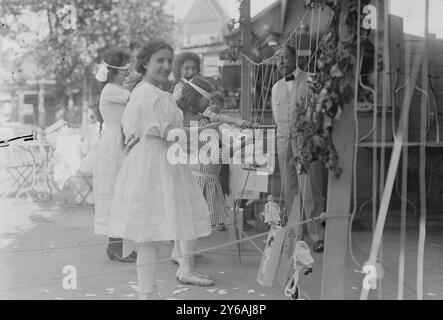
(102, 73)
(204, 93)
(302, 258)
(292, 286)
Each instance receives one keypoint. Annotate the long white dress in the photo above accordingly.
(110, 154)
(154, 199)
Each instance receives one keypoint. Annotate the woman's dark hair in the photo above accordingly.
(116, 57)
(180, 59)
(190, 98)
(146, 52)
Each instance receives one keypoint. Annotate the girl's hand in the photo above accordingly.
(244, 124)
(212, 108)
(132, 80)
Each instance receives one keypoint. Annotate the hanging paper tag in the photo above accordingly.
(271, 257)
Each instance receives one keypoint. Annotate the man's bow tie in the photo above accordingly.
(290, 78)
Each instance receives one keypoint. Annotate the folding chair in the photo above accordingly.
(80, 186)
(20, 164)
(42, 172)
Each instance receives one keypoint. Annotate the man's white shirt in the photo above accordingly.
(290, 84)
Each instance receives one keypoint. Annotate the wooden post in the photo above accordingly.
(339, 200)
(338, 204)
(245, 26)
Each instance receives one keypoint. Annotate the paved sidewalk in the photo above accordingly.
(34, 271)
(37, 275)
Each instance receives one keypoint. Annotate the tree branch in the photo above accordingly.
(51, 32)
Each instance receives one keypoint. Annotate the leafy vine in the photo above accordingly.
(330, 88)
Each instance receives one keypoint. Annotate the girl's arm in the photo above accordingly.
(213, 125)
(214, 117)
(132, 80)
(225, 151)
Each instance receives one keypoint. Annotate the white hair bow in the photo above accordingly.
(203, 92)
(102, 73)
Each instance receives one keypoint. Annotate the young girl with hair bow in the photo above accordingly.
(113, 72)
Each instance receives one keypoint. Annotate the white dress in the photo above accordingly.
(67, 156)
(110, 154)
(155, 200)
(89, 148)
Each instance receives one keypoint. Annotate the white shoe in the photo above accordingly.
(154, 295)
(201, 275)
(193, 279)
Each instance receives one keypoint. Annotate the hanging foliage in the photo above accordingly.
(330, 89)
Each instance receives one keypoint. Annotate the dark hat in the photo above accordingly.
(303, 44)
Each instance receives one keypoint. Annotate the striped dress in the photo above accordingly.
(207, 177)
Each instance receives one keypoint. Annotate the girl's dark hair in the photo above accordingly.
(218, 97)
(180, 59)
(146, 52)
(99, 116)
(190, 98)
(116, 57)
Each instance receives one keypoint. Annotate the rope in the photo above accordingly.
(309, 60)
(252, 242)
(271, 79)
(318, 32)
(254, 85)
(51, 248)
(57, 281)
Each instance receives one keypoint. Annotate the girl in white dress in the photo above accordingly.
(155, 200)
(114, 96)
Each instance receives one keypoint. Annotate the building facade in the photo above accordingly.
(204, 28)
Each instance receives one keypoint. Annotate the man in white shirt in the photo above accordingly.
(301, 191)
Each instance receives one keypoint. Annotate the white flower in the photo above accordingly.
(336, 72)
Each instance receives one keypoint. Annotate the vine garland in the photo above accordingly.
(330, 88)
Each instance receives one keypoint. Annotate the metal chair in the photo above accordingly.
(81, 186)
(42, 153)
(20, 164)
